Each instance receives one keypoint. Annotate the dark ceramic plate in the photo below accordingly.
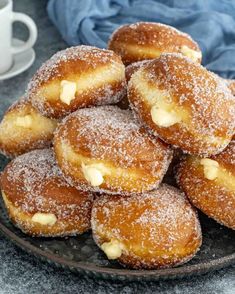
(81, 255)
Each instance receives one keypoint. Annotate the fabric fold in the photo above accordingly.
(211, 23)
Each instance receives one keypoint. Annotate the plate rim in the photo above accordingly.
(121, 274)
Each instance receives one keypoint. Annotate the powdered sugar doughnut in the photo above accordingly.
(106, 149)
(148, 40)
(186, 105)
(75, 78)
(23, 128)
(38, 199)
(157, 229)
(210, 184)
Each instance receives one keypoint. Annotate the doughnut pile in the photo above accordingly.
(99, 135)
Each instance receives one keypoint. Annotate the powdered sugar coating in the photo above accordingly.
(158, 223)
(15, 140)
(147, 40)
(227, 157)
(111, 135)
(205, 97)
(72, 64)
(34, 183)
(230, 84)
(168, 32)
(82, 53)
(133, 67)
(216, 198)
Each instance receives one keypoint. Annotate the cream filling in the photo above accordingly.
(24, 121)
(211, 168)
(44, 218)
(164, 118)
(190, 53)
(67, 91)
(98, 77)
(94, 173)
(214, 171)
(112, 249)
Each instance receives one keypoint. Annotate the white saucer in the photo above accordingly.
(21, 61)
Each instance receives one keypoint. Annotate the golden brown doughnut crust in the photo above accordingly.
(157, 229)
(135, 160)
(147, 40)
(15, 139)
(216, 198)
(82, 65)
(202, 100)
(133, 67)
(32, 183)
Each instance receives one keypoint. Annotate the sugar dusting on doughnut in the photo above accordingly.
(157, 221)
(99, 73)
(215, 194)
(83, 53)
(133, 67)
(227, 156)
(207, 106)
(231, 84)
(148, 40)
(28, 175)
(113, 137)
(167, 33)
(23, 129)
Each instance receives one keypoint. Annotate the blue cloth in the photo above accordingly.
(210, 22)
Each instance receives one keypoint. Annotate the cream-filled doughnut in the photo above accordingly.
(209, 184)
(38, 199)
(148, 40)
(77, 77)
(156, 229)
(184, 104)
(23, 129)
(106, 149)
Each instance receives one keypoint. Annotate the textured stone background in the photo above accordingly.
(22, 273)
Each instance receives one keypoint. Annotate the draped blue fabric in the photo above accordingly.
(210, 22)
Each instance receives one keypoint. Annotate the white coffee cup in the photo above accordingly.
(7, 17)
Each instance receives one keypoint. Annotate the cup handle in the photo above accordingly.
(32, 32)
